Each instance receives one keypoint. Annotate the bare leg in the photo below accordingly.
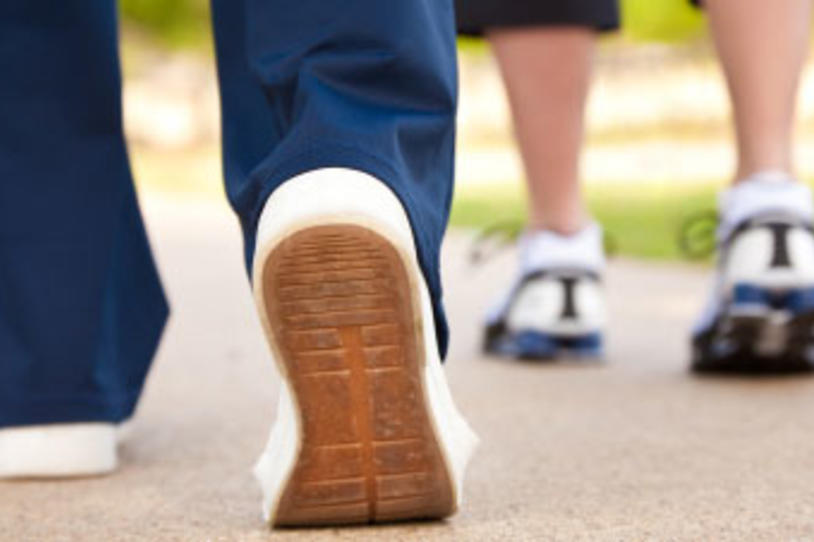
(547, 72)
(763, 46)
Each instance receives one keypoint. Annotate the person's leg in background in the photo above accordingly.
(547, 73)
(762, 46)
(761, 309)
(338, 127)
(81, 306)
(545, 52)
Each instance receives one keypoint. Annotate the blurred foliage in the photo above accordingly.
(644, 220)
(173, 23)
(661, 20)
(185, 23)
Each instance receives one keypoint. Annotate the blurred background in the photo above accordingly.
(658, 121)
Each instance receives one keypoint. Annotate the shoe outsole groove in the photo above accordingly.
(339, 304)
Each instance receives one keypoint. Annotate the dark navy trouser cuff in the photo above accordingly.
(67, 409)
(318, 156)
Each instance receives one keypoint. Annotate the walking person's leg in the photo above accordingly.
(545, 52)
(762, 46)
(338, 125)
(547, 72)
(81, 307)
(760, 312)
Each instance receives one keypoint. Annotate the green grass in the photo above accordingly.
(661, 20)
(173, 24)
(642, 221)
(185, 23)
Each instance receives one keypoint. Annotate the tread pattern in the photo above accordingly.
(731, 346)
(762, 330)
(339, 304)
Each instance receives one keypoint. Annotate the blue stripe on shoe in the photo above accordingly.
(794, 300)
(748, 294)
(538, 345)
(801, 301)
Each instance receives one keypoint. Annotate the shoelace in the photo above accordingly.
(499, 236)
(696, 237)
(493, 239)
(697, 234)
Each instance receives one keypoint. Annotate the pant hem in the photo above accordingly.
(336, 155)
(68, 409)
(319, 155)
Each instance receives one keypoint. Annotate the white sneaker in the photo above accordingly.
(58, 451)
(760, 314)
(556, 307)
(366, 429)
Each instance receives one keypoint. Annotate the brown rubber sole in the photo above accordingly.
(340, 307)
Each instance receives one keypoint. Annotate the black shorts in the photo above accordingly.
(476, 16)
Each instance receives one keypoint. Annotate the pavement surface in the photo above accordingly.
(632, 449)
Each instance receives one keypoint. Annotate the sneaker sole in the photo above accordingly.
(756, 337)
(540, 346)
(83, 449)
(348, 337)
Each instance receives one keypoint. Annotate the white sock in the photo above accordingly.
(543, 249)
(763, 193)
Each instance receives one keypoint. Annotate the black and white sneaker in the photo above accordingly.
(760, 315)
(556, 307)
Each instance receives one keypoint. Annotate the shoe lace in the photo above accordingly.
(493, 239)
(696, 238)
(697, 234)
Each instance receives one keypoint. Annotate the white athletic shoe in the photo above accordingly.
(761, 311)
(366, 429)
(58, 451)
(556, 307)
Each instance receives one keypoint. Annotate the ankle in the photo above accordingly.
(762, 194)
(546, 249)
(568, 224)
(767, 175)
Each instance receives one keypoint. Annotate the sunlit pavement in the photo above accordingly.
(633, 449)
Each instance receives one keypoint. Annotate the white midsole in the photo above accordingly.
(58, 450)
(345, 196)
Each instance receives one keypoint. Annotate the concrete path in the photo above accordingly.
(635, 449)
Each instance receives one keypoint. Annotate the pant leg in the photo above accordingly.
(365, 84)
(81, 307)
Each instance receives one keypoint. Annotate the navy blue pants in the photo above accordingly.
(365, 84)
